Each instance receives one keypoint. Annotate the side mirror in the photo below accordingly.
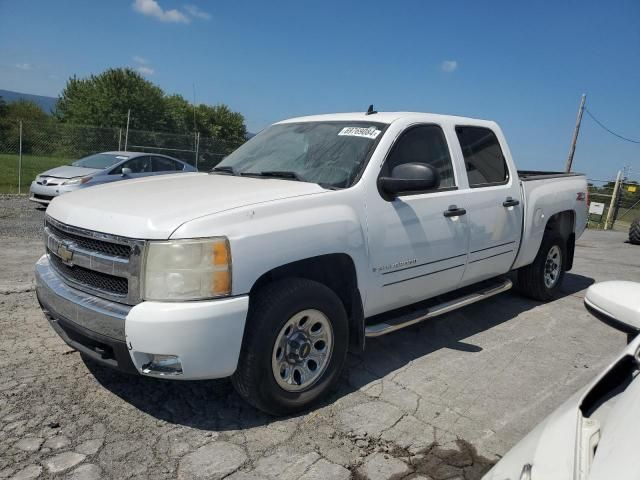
(410, 177)
(616, 303)
(126, 171)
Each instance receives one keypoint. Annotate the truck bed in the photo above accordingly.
(543, 194)
(528, 175)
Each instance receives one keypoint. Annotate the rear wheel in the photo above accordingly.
(634, 232)
(295, 344)
(541, 280)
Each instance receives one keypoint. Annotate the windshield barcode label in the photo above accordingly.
(366, 132)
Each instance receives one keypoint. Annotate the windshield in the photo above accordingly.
(99, 160)
(327, 153)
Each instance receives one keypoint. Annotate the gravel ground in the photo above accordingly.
(440, 400)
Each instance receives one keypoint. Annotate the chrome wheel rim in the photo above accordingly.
(302, 350)
(552, 266)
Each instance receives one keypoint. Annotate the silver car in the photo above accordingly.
(102, 168)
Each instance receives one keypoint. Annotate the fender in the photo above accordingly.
(294, 229)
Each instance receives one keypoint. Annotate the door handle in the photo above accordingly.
(454, 211)
(510, 202)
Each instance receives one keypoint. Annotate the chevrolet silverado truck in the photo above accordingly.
(314, 235)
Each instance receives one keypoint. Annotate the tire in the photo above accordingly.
(531, 279)
(274, 309)
(634, 232)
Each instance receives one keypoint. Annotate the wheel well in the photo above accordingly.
(563, 223)
(338, 272)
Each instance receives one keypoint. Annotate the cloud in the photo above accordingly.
(143, 66)
(196, 12)
(140, 60)
(23, 66)
(449, 66)
(145, 70)
(153, 9)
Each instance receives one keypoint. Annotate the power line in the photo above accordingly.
(608, 130)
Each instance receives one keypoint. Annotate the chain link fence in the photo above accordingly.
(30, 148)
(607, 211)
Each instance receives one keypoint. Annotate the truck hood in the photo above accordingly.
(153, 207)
(69, 171)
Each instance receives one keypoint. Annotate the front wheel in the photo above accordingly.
(541, 280)
(295, 344)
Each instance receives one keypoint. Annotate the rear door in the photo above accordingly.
(494, 206)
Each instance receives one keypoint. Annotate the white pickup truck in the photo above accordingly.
(315, 234)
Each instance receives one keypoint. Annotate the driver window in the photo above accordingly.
(423, 144)
(137, 165)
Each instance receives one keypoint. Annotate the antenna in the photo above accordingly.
(370, 110)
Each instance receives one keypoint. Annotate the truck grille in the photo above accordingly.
(103, 282)
(108, 248)
(100, 264)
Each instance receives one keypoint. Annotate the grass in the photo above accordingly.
(32, 165)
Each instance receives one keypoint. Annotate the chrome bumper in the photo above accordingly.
(91, 313)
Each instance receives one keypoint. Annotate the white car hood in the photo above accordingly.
(153, 207)
(551, 446)
(69, 171)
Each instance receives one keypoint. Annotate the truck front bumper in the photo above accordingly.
(204, 337)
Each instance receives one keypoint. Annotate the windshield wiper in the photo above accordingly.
(277, 174)
(225, 169)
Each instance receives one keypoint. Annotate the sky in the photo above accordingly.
(522, 64)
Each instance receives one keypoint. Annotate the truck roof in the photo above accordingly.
(385, 117)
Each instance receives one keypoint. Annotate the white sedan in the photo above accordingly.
(592, 436)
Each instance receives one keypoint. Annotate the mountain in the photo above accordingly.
(48, 104)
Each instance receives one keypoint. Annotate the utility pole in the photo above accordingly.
(576, 131)
(197, 147)
(126, 135)
(614, 200)
(620, 194)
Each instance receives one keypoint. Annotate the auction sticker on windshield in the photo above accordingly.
(366, 132)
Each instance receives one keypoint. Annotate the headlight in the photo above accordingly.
(187, 269)
(76, 181)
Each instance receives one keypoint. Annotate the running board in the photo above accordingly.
(412, 318)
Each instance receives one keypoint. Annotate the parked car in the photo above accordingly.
(315, 234)
(592, 435)
(102, 168)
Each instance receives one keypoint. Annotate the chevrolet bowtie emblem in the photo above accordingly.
(65, 254)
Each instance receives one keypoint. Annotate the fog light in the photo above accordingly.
(162, 365)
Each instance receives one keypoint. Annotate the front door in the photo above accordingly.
(415, 250)
(494, 208)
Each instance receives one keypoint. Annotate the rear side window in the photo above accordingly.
(483, 156)
(161, 164)
(423, 144)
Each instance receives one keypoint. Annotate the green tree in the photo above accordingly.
(178, 115)
(23, 110)
(35, 123)
(220, 122)
(103, 100)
